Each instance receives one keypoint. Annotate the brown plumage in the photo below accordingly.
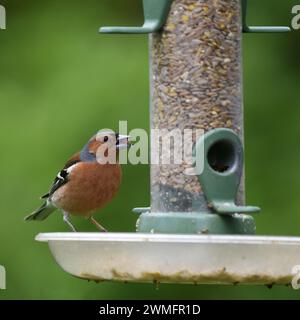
(86, 183)
(91, 186)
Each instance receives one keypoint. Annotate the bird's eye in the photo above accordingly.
(105, 138)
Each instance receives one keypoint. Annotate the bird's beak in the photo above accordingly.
(123, 142)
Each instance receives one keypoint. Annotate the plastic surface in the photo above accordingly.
(195, 223)
(176, 258)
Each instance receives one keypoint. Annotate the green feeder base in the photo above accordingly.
(195, 223)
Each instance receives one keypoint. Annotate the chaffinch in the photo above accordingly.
(87, 182)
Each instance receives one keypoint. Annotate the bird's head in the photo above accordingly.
(105, 144)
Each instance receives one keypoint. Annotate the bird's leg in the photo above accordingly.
(98, 225)
(68, 222)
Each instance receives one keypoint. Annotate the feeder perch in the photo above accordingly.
(155, 14)
(198, 228)
(260, 29)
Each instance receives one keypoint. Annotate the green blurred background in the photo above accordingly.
(60, 81)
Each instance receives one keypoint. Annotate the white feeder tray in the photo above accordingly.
(160, 258)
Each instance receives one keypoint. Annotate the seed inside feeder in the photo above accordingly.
(195, 84)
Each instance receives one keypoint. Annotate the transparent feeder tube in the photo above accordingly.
(196, 83)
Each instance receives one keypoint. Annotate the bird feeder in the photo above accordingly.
(196, 84)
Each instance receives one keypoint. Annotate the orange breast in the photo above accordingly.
(91, 186)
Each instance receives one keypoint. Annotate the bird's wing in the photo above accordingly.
(62, 176)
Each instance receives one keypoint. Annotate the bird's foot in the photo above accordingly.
(68, 222)
(98, 225)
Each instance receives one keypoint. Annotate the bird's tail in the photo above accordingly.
(41, 213)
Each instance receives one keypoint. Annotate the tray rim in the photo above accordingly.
(166, 238)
